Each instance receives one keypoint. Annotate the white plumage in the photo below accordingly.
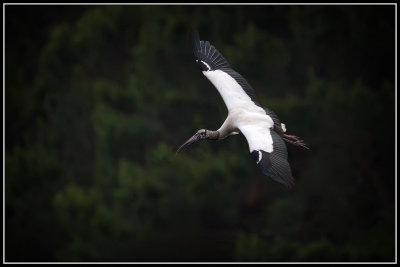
(232, 93)
(261, 127)
(243, 113)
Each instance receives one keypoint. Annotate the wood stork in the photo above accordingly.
(264, 132)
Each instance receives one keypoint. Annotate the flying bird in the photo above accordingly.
(264, 133)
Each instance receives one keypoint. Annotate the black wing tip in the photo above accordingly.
(203, 50)
(280, 174)
(290, 184)
(287, 181)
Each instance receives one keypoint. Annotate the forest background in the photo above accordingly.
(98, 99)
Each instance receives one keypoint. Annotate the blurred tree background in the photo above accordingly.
(98, 99)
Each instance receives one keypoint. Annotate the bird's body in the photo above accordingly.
(260, 126)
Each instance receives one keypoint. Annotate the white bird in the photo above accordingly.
(264, 133)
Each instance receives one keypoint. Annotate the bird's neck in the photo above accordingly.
(212, 135)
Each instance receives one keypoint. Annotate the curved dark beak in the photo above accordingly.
(194, 139)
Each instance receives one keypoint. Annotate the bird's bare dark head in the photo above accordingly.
(199, 135)
(202, 134)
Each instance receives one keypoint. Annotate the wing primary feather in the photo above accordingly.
(204, 51)
(213, 48)
(216, 56)
(219, 61)
(279, 170)
(207, 47)
(273, 164)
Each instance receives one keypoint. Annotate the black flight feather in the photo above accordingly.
(275, 164)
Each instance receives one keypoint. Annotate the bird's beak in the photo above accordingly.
(194, 139)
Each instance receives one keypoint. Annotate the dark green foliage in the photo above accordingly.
(98, 99)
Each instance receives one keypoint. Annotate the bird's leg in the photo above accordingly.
(294, 140)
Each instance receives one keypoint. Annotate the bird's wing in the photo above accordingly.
(234, 89)
(277, 123)
(273, 163)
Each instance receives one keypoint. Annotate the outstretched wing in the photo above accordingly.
(234, 89)
(269, 151)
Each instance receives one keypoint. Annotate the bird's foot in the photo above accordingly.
(294, 140)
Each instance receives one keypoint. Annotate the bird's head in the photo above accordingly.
(199, 135)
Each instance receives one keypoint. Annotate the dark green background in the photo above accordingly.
(98, 99)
